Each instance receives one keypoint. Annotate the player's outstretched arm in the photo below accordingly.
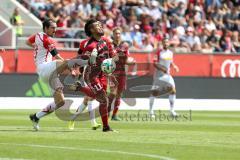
(175, 67)
(58, 56)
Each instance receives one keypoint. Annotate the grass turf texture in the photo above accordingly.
(210, 135)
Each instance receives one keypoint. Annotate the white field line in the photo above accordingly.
(92, 150)
(8, 158)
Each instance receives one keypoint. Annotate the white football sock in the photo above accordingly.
(91, 113)
(47, 110)
(79, 110)
(172, 98)
(151, 101)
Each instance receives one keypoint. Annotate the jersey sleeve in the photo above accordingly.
(81, 47)
(49, 43)
(31, 39)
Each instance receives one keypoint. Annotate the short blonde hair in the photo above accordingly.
(117, 28)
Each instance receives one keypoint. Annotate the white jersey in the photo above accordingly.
(165, 58)
(43, 45)
(161, 79)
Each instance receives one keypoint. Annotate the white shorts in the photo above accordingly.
(163, 81)
(45, 71)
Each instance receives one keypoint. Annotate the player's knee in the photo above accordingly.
(173, 91)
(169, 89)
(103, 100)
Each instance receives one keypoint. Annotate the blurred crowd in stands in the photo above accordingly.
(191, 25)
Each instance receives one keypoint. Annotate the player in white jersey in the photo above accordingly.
(48, 69)
(163, 82)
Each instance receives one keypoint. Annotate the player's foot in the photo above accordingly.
(96, 126)
(35, 121)
(71, 125)
(173, 114)
(107, 129)
(115, 118)
(151, 114)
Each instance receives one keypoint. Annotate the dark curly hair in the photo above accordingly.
(88, 26)
(47, 22)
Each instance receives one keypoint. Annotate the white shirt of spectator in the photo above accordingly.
(210, 26)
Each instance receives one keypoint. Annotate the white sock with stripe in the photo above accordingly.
(47, 110)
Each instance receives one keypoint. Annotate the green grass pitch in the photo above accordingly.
(206, 136)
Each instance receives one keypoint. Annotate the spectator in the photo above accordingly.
(95, 7)
(125, 35)
(158, 37)
(146, 45)
(206, 48)
(213, 41)
(236, 41)
(137, 37)
(85, 10)
(225, 42)
(17, 21)
(192, 39)
(183, 47)
(184, 21)
(155, 11)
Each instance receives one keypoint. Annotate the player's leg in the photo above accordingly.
(120, 88)
(160, 87)
(58, 102)
(38, 115)
(46, 73)
(91, 111)
(102, 98)
(172, 97)
(116, 107)
(79, 110)
(87, 102)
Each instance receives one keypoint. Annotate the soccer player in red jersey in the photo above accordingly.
(120, 72)
(93, 75)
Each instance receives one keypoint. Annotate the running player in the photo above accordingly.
(120, 72)
(163, 82)
(47, 69)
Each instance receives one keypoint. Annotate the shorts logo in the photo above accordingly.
(1, 64)
(230, 68)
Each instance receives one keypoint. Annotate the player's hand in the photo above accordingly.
(93, 57)
(176, 68)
